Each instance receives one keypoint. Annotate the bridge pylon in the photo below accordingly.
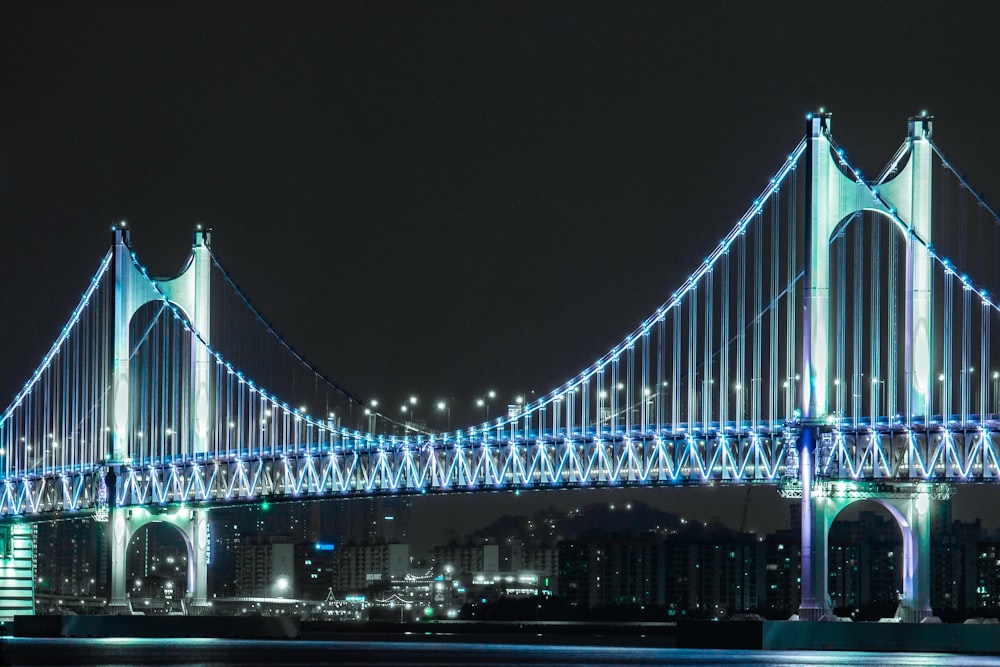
(834, 197)
(190, 292)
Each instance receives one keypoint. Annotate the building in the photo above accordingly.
(617, 572)
(468, 558)
(266, 569)
(368, 567)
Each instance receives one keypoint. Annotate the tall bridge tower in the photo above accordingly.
(190, 292)
(831, 204)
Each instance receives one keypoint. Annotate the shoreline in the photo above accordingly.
(723, 635)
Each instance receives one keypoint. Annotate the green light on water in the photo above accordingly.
(265, 505)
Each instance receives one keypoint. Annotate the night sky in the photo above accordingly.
(443, 198)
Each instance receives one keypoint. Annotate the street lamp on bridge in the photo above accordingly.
(442, 407)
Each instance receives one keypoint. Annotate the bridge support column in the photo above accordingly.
(193, 527)
(915, 604)
(119, 536)
(815, 599)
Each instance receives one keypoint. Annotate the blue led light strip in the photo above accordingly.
(961, 177)
(56, 346)
(281, 339)
(276, 403)
(673, 302)
(903, 225)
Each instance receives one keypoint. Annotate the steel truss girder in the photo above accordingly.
(899, 456)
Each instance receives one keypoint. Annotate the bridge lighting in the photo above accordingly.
(519, 400)
(413, 400)
(373, 403)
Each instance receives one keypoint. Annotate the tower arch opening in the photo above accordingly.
(157, 565)
(865, 552)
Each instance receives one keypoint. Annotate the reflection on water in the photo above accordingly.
(290, 653)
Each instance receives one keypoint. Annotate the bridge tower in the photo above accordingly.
(190, 292)
(832, 199)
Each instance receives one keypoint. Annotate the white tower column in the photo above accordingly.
(124, 271)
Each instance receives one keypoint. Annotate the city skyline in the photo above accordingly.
(477, 199)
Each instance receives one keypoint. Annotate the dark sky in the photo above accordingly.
(474, 194)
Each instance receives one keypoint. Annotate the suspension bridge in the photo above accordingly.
(828, 347)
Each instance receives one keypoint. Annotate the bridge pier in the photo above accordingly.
(907, 502)
(193, 527)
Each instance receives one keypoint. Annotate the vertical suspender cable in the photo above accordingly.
(724, 344)
(756, 380)
(629, 386)
(966, 344)
(792, 308)
(772, 381)
(858, 308)
(644, 391)
(876, 315)
(892, 322)
(984, 362)
(675, 417)
(615, 390)
(840, 381)
(741, 322)
(947, 370)
(707, 380)
(661, 329)
(692, 354)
